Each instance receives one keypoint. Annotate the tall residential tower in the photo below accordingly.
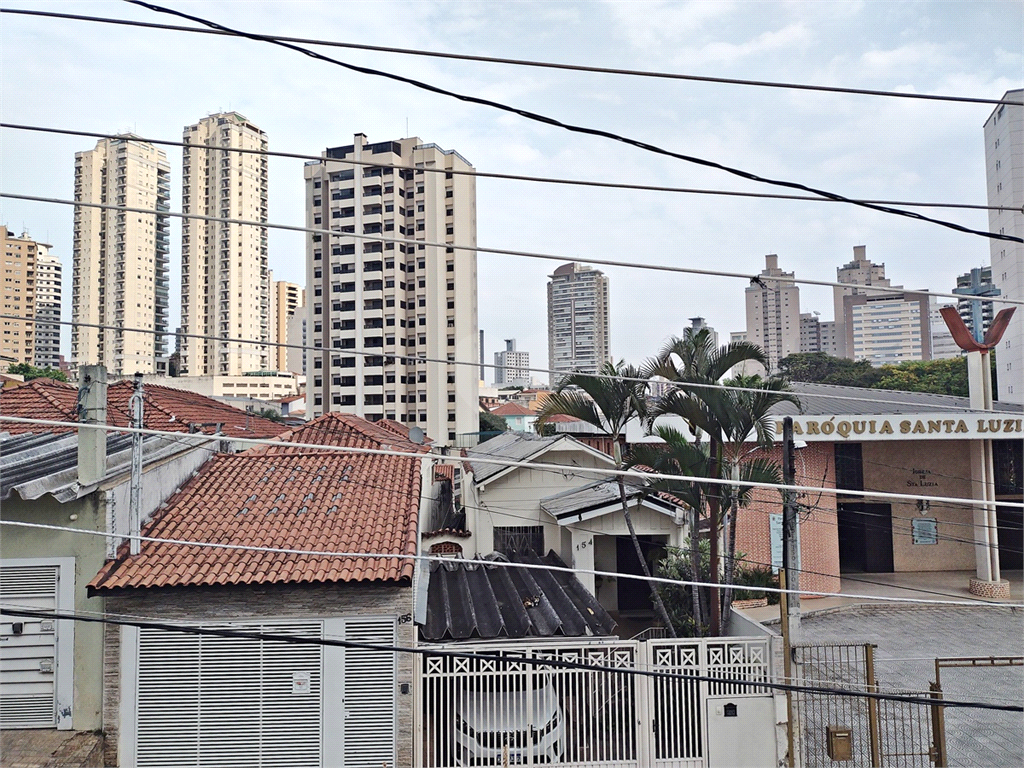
(120, 258)
(1004, 172)
(578, 320)
(225, 288)
(395, 309)
(773, 312)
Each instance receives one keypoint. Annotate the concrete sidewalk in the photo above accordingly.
(49, 748)
(917, 585)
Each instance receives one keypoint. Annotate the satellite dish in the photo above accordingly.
(416, 435)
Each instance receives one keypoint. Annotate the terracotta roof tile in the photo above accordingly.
(166, 408)
(512, 409)
(287, 498)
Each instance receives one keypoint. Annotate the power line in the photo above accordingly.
(625, 473)
(530, 62)
(501, 176)
(410, 359)
(488, 563)
(536, 117)
(755, 278)
(496, 657)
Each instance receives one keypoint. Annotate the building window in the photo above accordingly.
(509, 539)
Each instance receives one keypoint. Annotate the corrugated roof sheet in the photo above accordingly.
(166, 409)
(286, 497)
(36, 464)
(598, 494)
(516, 446)
(474, 599)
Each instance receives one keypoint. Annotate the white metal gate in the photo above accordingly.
(486, 711)
(28, 648)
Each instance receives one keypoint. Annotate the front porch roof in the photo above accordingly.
(602, 498)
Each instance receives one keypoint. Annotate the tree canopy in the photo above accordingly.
(32, 372)
(943, 377)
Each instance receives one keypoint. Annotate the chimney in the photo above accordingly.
(92, 409)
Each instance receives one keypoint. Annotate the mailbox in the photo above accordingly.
(840, 743)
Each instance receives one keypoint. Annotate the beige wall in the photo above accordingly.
(120, 259)
(938, 468)
(392, 298)
(224, 277)
(285, 300)
(19, 278)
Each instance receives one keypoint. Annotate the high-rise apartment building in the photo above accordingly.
(810, 332)
(120, 258)
(773, 312)
(943, 345)
(285, 300)
(1004, 173)
(393, 314)
(17, 344)
(860, 271)
(698, 324)
(579, 339)
(225, 289)
(888, 327)
(48, 305)
(512, 366)
(977, 314)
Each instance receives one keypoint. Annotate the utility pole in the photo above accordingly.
(790, 545)
(135, 499)
(789, 603)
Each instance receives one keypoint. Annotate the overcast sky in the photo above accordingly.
(94, 77)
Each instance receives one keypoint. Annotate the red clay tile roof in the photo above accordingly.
(560, 418)
(444, 472)
(512, 409)
(287, 498)
(166, 408)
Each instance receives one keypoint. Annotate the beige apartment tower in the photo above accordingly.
(860, 271)
(49, 285)
(773, 312)
(17, 344)
(393, 314)
(579, 337)
(225, 289)
(120, 258)
(285, 300)
(1004, 175)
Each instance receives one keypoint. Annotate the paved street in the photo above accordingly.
(910, 637)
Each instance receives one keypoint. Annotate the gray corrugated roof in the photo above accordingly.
(473, 599)
(815, 401)
(516, 446)
(39, 463)
(600, 493)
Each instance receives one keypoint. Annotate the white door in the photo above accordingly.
(28, 648)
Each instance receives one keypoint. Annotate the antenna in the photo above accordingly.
(416, 435)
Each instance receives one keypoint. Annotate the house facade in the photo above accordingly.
(258, 699)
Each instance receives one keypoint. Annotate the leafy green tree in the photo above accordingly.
(821, 368)
(609, 402)
(31, 372)
(942, 377)
(491, 423)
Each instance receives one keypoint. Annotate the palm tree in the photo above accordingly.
(728, 418)
(608, 402)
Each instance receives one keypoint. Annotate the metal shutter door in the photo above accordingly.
(215, 701)
(28, 662)
(370, 695)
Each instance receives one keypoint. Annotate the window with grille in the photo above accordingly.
(519, 538)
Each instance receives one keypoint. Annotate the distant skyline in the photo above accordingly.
(103, 78)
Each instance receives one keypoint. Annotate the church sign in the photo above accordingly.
(920, 426)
